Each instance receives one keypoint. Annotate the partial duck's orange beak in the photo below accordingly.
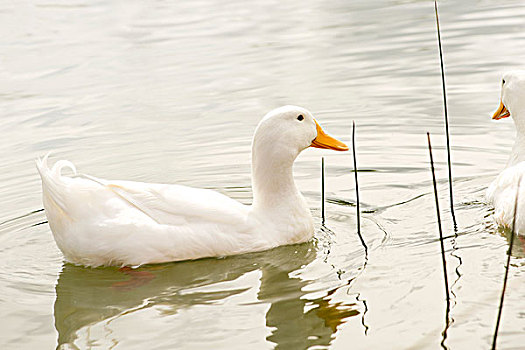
(502, 112)
(325, 141)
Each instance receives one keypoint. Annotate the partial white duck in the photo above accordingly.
(502, 191)
(102, 222)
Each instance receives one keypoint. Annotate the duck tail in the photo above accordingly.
(53, 185)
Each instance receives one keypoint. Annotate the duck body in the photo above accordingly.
(102, 222)
(503, 190)
(502, 195)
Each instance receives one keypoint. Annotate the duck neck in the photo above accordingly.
(273, 183)
(518, 150)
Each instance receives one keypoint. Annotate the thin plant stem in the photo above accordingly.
(357, 191)
(511, 243)
(438, 219)
(322, 191)
(446, 119)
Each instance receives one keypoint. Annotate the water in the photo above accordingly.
(171, 92)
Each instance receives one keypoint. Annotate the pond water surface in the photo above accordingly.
(172, 92)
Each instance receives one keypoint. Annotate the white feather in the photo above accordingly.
(502, 193)
(103, 222)
(503, 190)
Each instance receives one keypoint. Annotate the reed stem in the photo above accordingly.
(511, 243)
(322, 191)
(357, 191)
(438, 219)
(446, 119)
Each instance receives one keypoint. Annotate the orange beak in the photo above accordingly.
(502, 112)
(325, 141)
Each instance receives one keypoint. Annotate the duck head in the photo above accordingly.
(512, 101)
(279, 138)
(286, 131)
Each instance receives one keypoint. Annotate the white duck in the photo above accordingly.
(502, 191)
(101, 222)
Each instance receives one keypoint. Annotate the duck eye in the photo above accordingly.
(300, 118)
(503, 81)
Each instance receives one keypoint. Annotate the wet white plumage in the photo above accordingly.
(102, 222)
(502, 191)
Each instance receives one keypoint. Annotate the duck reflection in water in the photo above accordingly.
(86, 297)
(518, 250)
